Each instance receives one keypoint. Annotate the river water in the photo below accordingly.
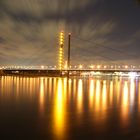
(48, 108)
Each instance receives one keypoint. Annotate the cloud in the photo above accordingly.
(102, 31)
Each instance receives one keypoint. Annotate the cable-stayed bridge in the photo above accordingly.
(68, 68)
(72, 71)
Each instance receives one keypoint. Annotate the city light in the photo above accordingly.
(86, 70)
(42, 67)
(132, 74)
(80, 66)
(61, 51)
(126, 67)
(66, 65)
(61, 39)
(98, 66)
(92, 66)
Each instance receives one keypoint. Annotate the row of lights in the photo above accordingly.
(75, 67)
(108, 67)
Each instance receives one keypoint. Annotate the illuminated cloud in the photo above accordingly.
(102, 31)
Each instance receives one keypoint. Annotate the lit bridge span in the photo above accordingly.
(66, 68)
(75, 71)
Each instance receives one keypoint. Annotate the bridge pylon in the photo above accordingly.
(61, 51)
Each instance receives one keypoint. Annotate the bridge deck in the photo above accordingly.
(55, 72)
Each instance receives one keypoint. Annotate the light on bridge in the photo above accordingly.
(42, 67)
(132, 74)
(80, 66)
(66, 65)
(98, 66)
(61, 41)
(92, 66)
(61, 51)
(126, 67)
(112, 67)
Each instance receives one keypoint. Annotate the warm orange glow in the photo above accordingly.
(105, 67)
(61, 38)
(98, 94)
(65, 87)
(80, 94)
(42, 67)
(125, 102)
(80, 66)
(66, 65)
(139, 97)
(60, 58)
(98, 66)
(132, 91)
(104, 96)
(61, 51)
(50, 86)
(111, 92)
(41, 97)
(91, 93)
(17, 87)
(59, 110)
(69, 86)
(92, 66)
(118, 89)
(74, 88)
(126, 67)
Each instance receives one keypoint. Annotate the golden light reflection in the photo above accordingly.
(91, 93)
(65, 87)
(85, 94)
(50, 86)
(41, 96)
(118, 86)
(74, 88)
(139, 96)
(98, 94)
(28, 84)
(54, 85)
(45, 83)
(104, 96)
(125, 102)
(111, 92)
(17, 87)
(59, 110)
(69, 87)
(132, 91)
(31, 86)
(80, 95)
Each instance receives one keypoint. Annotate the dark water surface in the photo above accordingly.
(44, 108)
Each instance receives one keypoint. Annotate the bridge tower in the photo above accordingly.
(61, 51)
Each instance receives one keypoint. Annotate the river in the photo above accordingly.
(55, 108)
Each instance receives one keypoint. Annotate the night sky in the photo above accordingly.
(103, 31)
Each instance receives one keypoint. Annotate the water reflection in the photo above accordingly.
(91, 93)
(118, 90)
(125, 103)
(80, 95)
(104, 96)
(59, 110)
(97, 96)
(61, 100)
(139, 96)
(111, 92)
(132, 91)
(41, 97)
